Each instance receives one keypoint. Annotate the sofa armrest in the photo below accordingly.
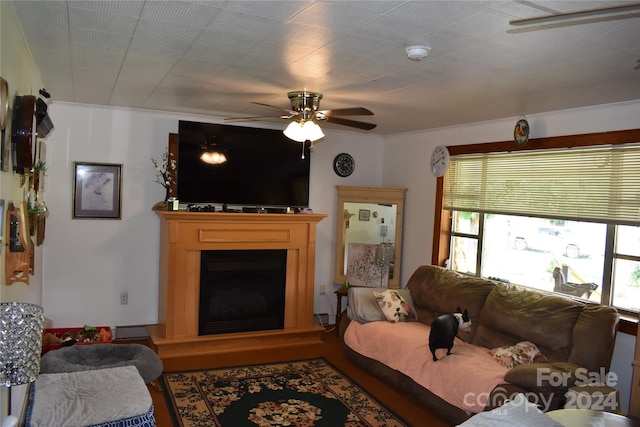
(556, 375)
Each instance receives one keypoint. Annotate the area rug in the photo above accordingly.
(303, 393)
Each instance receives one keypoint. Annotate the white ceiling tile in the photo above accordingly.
(129, 8)
(188, 13)
(280, 10)
(97, 57)
(230, 24)
(220, 56)
(86, 36)
(80, 18)
(92, 85)
(391, 29)
(435, 15)
(336, 16)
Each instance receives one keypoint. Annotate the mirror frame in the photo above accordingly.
(380, 195)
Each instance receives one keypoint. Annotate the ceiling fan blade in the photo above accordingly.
(246, 119)
(576, 15)
(354, 111)
(350, 123)
(276, 108)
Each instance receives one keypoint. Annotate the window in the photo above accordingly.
(554, 219)
(569, 257)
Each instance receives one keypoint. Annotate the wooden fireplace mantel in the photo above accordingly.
(183, 235)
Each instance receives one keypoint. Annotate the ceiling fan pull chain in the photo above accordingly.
(303, 142)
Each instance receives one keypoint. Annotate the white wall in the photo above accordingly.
(406, 164)
(89, 262)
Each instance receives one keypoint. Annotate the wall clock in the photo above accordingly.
(440, 160)
(343, 164)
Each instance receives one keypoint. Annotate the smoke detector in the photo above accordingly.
(417, 52)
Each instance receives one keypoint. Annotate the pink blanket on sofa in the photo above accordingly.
(464, 379)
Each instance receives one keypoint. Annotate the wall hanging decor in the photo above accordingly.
(97, 190)
(23, 132)
(521, 131)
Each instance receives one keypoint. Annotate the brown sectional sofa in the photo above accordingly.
(572, 334)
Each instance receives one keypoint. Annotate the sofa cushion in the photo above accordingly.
(595, 321)
(437, 291)
(523, 353)
(513, 313)
(394, 306)
(543, 375)
(363, 306)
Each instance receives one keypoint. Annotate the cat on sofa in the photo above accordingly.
(444, 329)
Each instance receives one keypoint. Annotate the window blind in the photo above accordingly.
(591, 184)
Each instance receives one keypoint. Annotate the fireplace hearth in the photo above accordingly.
(242, 290)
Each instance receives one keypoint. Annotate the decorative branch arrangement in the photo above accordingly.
(165, 171)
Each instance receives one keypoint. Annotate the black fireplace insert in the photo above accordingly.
(242, 290)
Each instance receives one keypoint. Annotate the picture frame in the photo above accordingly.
(97, 190)
(364, 214)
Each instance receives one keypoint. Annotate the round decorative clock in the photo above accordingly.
(440, 160)
(521, 132)
(343, 164)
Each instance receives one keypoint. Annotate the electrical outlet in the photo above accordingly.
(323, 289)
(124, 298)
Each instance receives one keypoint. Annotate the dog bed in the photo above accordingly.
(99, 356)
(105, 397)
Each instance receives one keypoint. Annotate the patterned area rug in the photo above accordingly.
(302, 394)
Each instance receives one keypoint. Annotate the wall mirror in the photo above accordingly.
(370, 217)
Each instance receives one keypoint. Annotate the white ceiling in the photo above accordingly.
(216, 57)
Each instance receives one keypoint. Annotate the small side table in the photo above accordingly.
(341, 292)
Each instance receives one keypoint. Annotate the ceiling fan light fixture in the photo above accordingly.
(417, 52)
(303, 131)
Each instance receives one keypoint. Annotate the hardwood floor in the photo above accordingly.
(409, 409)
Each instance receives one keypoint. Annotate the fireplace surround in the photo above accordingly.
(183, 237)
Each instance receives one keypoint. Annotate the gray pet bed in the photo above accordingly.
(98, 356)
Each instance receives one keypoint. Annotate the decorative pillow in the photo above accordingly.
(363, 305)
(394, 307)
(523, 353)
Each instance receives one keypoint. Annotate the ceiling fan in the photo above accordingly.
(305, 115)
(584, 16)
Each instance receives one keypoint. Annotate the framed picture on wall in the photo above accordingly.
(364, 215)
(97, 190)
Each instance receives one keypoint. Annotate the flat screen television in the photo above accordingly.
(264, 168)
